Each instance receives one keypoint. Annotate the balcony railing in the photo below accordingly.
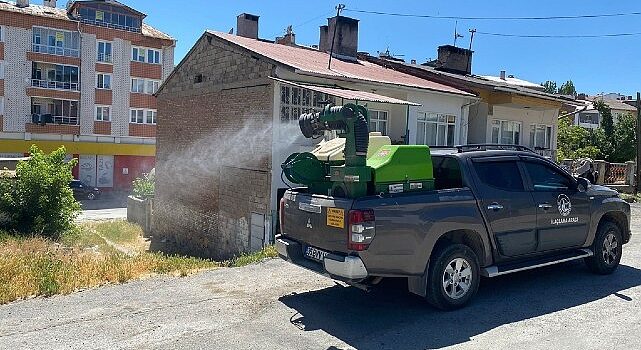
(44, 119)
(103, 57)
(59, 85)
(55, 50)
(111, 25)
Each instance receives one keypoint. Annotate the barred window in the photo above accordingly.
(295, 101)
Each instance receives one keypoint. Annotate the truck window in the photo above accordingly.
(447, 173)
(546, 178)
(504, 175)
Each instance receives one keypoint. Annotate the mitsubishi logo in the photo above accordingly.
(565, 207)
(309, 223)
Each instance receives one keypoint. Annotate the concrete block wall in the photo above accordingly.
(87, 83)
(204, 196)
(16, 79)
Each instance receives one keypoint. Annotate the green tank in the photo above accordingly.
(404, 168)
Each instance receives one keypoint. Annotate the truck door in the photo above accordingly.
(563, 211)
(507, 206)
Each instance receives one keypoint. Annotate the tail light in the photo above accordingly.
(362, 229)
(281, 214)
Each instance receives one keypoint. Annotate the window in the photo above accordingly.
(103, 113)
(141, 54)
(143, 116)
(295, 101)
(503, 175)
(378, 121)
(546, 178)
(103, 81)
(1, 69)
(57, 76)
(138, 85)
(540, 136)
(435, 129)
(110, 17)
(447, 173)
(56, 111)
(104, 51)
(589, 118)
(2, 33)
(56, 42)
(1, 105)
(152, 86)
(506, 132)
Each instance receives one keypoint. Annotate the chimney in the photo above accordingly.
(247, 25)
(413, 61)
(323, 42)
(345, 39)
(581, 97)
(22, 3)
(49, 3)
(454, 59)
(288, 39)
(502, 75)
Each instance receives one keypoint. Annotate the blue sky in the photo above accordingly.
(595, 65)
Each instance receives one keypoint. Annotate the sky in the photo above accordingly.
(595, 65)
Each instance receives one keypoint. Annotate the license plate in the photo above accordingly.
(315, 254)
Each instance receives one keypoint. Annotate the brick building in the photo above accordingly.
(228, 118)
(83, 77)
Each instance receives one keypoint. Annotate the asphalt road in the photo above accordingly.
(274, 305)
(107, 207)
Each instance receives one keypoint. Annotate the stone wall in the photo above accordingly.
(140, 211)
(213, 150)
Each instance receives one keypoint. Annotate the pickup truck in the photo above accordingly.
(492, 212)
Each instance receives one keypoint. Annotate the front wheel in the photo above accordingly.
(607, 249)
(91, 196)
(453, 277)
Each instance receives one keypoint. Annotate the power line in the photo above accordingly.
(577, 36)
(496, 18)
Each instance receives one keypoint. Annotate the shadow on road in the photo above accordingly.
(108, 200)
(390, 317)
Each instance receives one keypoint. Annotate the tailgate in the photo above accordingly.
(316, 220)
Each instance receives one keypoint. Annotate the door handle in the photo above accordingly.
(545, 206)
(494, 206)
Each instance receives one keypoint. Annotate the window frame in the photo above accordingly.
(144, 115)
(102, 117)
(530, 182)
(500, 136)
(147, 53)
(292, 105)
(110, 75)
(494, 160)
(376, 120)
(547, 138)
(433, 118)
(105, 43)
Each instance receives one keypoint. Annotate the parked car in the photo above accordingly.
(493, 212)
(84, 191)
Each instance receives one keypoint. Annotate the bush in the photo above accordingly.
(145, 186)
(39, 200)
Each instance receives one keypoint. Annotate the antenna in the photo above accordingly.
(339, 8)
(456, 33)
(472, 31)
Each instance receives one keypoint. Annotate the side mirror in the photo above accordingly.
(582, 184)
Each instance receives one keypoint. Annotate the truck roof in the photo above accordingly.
(483, 150)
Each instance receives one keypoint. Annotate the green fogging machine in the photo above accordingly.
(351, 166)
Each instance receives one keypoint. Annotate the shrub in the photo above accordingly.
(39, 200)
(145, 186)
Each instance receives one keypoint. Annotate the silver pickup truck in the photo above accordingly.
(493, 212)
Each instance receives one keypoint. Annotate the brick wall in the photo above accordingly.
(102, 128)
(53, 129)
(204, 202)
(146, 70)
(142, 130)
(137, 100)
(104, 97)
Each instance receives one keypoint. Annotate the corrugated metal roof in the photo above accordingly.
(355, 95)
(314, 62)
(61, 14)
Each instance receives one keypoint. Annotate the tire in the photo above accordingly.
(447, 277)
(607, 249)
(91, 196)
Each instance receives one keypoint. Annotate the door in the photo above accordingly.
(507, 205)
(563, 211)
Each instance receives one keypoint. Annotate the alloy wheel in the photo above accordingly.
(457, 278)
(610, 248)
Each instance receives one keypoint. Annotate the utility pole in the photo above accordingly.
(339, 8)
(638, 160)
(472, 31)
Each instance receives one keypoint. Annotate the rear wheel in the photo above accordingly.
(606, 248)
(453, 277)
(91, 196)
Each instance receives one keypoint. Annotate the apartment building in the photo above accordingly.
(82, 76)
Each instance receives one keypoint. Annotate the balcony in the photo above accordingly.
(104, 57)
(58, 85)
(54, 111)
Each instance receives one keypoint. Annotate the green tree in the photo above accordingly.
(549, 87)
(575, 142)
(605, 113)
(145, 186)
(567, 88)
(624, 139)
(39, 200)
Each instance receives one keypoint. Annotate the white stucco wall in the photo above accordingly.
(527, 117)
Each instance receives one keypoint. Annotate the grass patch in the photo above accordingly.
(251, 258)
(631, 198)
(91, 255)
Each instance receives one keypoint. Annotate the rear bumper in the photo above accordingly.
(346, 268)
